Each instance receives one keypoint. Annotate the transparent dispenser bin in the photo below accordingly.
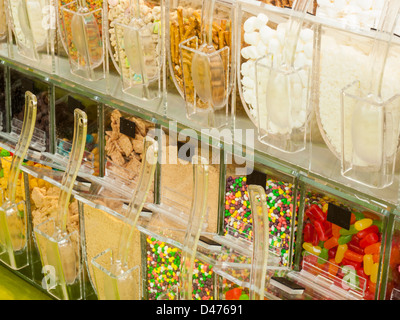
(203, 77)
(13, 211)
(14, 229)
(336, 82)
(277, 99)
(114, 276)
(64, 123)
(135, 44)
(176, 179)
(340, 245)
(33, 24)
(281, 193)
(192, 231)
(57, 240)
(85, 39)
(20, 83)
(100, 219)
(124, 134)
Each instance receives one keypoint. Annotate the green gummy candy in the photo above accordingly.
(244, 297)
(345, 239)
(345, 232)
(4, 153)
(323, 256)
(1, 173)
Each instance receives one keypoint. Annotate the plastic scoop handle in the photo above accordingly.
(139, 197)
(196, 219)
(295, 22)
(379, 51)
(259, 211)
(208, 9)
(24, 141)
(74, 163)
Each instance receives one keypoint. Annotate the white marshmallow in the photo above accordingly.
(340, 5)
(252, 38)
(248, 95)
(308, 50)
(274, 46)
(280, 34)
(262, 48)
(253, 53)
(261, 21)
(245, 53)
(266, 33)
(366, 4)
(306, 35)
(300, 46)
(249, 24)
(248, 82)
(322, 3)
(244, 70)
(300, 61)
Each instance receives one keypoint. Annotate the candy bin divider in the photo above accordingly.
(88, 292)
(101, 138)
(385, 265)
(9, 31)
(222, 191)
(143, 267)
(52, 119)
(33, 257)
(7, 75)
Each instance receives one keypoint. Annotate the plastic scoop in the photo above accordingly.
(118, 283)
(86, 36)
(368, 119)
(259, 211)
(208, 68)
(133, 45)
(285, 85)
(198, 211)
(12, 222)
(60, 252)
(34, 11)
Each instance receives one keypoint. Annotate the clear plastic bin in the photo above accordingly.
(281, 193)
(337, 81)
(34, 27)
(124, 136)
(207, 94)
(339, 245)
(176, 179)
(84, 39)
(64, 123)
(20, 83)
(135, 44)
(278, 102)
(14, 229)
